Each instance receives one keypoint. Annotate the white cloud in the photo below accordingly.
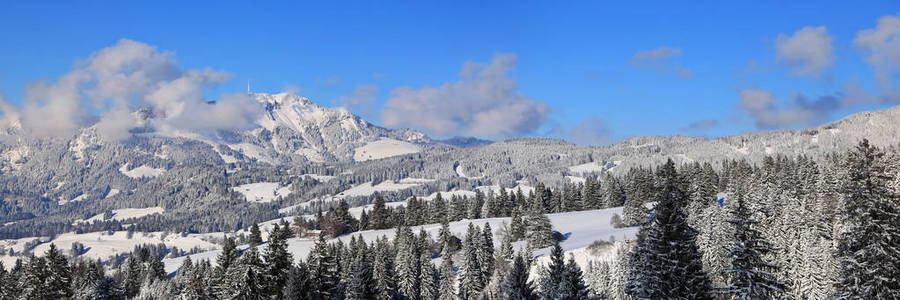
(807, 52)
(763, 108)
(659, 60)
(881, 46)
(484, 102)
(119, 78)
(592, 132)
(363, 97)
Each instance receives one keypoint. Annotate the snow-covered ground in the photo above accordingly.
(320, 178)
(103, 245)
(367, 189)
(384, 148)
(460, 171)
(126, 213)
(262, 192)
(142, 171)
(253, 151)
(586, 168)
(582, 229)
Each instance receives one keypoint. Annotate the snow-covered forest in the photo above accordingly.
(785, 227)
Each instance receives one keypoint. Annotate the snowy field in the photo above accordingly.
(586, 168)
(582, 229)
(384, 148)
(126, 213)
(142, 171)
(262, 192)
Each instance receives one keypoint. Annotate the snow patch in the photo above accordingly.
(142, 171)
(384, 148)
(586, 168)
(262, 192)
(126, 213)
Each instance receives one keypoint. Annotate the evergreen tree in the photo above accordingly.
(515, 285)
(360, 284)
(667, 262)
(750, 275)
(299, 284)
(448, 277)
(323, 270)
(870, 247)
(131, 276)
(486, 251)
(516, 226)
(472, 276)
(58, 278)
(226, 260)
(428, 279)
(31, 281)
(255, 236)
(379, 218)
(538, 229)
(278, 261)
(383, 271)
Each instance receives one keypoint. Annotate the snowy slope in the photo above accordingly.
(384, 148)
(142, 171)
(262, 191)
(582, 229)
(126, 213)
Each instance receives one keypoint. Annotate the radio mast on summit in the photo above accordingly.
(248, 87)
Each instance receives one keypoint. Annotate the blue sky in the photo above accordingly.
(589, 71)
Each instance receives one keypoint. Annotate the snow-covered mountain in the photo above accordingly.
(296, 125)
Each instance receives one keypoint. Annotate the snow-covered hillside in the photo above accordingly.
(384, 148)
(582, 228)
(262, 191)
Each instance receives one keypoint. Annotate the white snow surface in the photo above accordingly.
(383, 148)
(142, 171)
(586, 168)
(103, 245)
(262, 192)
(582, 229)
(127, 213)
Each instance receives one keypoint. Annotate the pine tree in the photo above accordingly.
(448, 277)
(515, 285)
(323, 270)
(573, 282)
(383, 271)
(299, 284)
(131, 276)
(428, 279)
(870, 247)
(472, 279)
(226, 259)
(244, 280)
(407, 265)
(538, 229)
(31, 281)
(750, 275)
(516, 226)
(360, 284)
(666, 261)
(278, 260)
(255, 236)
(378, 218)
(58, 278)
(486, 251)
